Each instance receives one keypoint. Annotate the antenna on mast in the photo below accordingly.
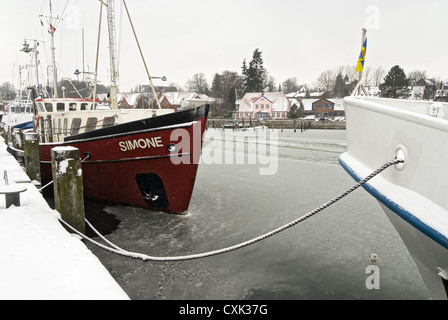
(51, 31)
(113, 101)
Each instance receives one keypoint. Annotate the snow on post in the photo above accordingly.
(17, 140)
(68, 186)
(31, 155)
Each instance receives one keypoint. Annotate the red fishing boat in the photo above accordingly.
(140, 157)
(151, 162)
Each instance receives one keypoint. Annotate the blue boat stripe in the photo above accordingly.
(401, 212)
(25, 125)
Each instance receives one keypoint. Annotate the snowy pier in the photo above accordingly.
(39, 259)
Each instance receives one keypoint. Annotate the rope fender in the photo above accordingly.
(115, 249)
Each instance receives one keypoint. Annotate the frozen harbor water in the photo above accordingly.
(324, 257)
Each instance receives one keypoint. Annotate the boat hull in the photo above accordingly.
(150, 163)
(413, 195)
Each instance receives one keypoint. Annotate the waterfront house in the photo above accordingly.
(328, 109)
(184, 100)
(263, 105)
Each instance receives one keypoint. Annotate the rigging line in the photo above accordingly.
(141, 54)
(62, 38)
(145, 257)
(62, 14)
(120, 35)
(46, 53)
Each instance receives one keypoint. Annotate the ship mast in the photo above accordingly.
(51, 31)
(113, 101)
(53, 59)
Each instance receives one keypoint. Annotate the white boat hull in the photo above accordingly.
(414, 195)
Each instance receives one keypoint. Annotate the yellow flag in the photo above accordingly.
(362, 58)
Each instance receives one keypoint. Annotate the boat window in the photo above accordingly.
(76, 123)
(49, 107)
(41, 107)
(65, 125)
(83, 106)
(60, 106)
(91, 124)
(108, 122)
(72, 106)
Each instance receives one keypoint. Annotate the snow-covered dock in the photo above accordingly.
(39, 259)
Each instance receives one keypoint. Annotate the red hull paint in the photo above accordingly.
(110, 172)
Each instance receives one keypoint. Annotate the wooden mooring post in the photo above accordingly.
(17, 139)
(31, 155)
(3, 131)
(68, 186)
(7, 134)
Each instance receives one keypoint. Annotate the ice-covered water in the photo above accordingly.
(324, 257)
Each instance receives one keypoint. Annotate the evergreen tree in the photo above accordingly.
(26, 47)
(255, 74)
(340, 88)
(395, 85)
(307, 94)
(244, 68)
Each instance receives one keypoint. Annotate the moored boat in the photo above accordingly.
(140, 157)
(413, 194)
(19, 115)
(141, 161)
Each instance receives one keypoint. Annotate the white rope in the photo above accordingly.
(51, 182)
(145, 257)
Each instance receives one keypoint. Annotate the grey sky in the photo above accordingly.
(182, 37)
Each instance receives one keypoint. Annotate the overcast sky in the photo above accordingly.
(180, 38)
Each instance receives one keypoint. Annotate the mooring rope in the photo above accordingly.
(144, 257)
(51, 182)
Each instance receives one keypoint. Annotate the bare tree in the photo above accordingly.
(144, 101)
(198, 84)
(290, 85)
(416, 76)
(348, 72)
(268, 82)
(227, 88)
(326, 80)
(368, 75)
(378, 75)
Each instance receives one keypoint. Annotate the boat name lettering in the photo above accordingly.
(154, 142)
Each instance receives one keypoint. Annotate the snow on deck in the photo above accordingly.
(39, 259)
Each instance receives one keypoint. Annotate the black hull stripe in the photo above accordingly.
(118, 135)
(171, 119)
